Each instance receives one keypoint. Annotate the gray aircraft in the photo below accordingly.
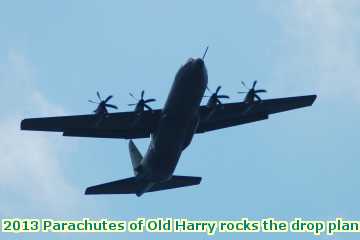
(170, 129)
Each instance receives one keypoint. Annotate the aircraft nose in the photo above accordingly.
(195, 62)
(199, 69)
(199, 63)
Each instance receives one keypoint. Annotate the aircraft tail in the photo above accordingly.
(135, 156)
(134, 185)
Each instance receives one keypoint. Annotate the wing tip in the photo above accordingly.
(197, 180)
(310, 99)
(91, 191)
(313, 98)
(88, 191)
(23, 124)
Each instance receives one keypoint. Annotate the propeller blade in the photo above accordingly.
(132, 104)
(142, 94)
(98, 95)
(254, 84)
(91, 101)
(148, 107)
(108, 98)
(206, 96)
(223, 96)
(241, 92)
(260, 91)
(132, 95)
(242, 82)
(257, 97)
(111, 106)
(218, 89)
(150, 100)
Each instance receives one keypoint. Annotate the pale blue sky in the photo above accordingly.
(55, 55)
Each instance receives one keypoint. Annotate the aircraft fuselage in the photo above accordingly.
(178, 123)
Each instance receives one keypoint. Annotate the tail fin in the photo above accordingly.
(135, 156)
(133, 185)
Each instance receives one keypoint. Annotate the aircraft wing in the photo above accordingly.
(232, 114)
(127, 125)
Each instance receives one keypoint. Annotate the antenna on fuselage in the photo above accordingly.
(205, 52)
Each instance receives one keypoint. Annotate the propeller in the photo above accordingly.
(102, 104)
(141, 103)
(215, 97)
(252, 93)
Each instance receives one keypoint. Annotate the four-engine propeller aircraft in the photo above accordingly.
(170, 129)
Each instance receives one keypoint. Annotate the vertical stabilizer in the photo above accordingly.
(135, 156)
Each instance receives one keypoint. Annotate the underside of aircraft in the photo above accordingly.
(170, 129)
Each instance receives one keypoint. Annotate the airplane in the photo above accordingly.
(171, 129)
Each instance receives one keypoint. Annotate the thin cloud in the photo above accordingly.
(31, 178)
(322, 38)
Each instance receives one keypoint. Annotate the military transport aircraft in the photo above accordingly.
(170, 129)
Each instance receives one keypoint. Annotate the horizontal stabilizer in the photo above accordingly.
(133, 185)
(176, 182)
